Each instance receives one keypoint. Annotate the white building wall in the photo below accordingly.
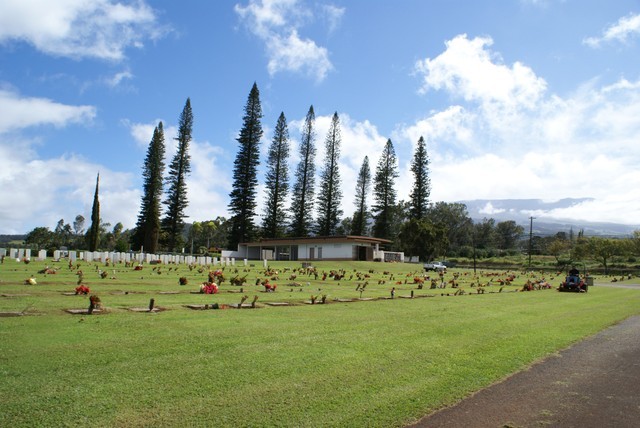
(329, 251)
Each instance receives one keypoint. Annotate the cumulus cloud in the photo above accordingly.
(509, 138)
(291, 53)
(622, 31)
(21, 112)
(490, 210)
(47, 190)
(277, 24)
(101, 29)
(469, 69)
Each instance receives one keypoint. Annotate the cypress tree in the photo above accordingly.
(147, 231)
(419, 197)
(277, 181)
(242, 204)
(94, 231)
(359, 222)
(304, 186)
(330, 194)
(180, 167)
(384, 192)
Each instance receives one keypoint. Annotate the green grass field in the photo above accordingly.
(381, 362)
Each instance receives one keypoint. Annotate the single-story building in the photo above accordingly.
(344, 247)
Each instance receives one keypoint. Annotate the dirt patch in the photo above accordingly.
(11, 314)
(85, 311)
(154, 310)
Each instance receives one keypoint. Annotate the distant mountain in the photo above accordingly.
(520, 211)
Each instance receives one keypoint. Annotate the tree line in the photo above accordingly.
(295, 204)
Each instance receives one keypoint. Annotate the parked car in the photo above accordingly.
(437, 266)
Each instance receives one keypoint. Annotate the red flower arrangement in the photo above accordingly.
(82, 289)
(209, 288)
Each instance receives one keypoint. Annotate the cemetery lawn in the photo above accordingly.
(384, 362)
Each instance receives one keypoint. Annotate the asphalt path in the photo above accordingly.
(595, 383)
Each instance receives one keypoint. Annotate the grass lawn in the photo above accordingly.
(383, 362)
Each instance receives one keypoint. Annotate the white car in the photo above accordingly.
(437, 266)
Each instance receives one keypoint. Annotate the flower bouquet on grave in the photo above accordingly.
(82, 289)
(209, 288)
(269, 287)
(94, 303)
(216, 276)
(244, 298)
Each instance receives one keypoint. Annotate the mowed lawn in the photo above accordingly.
(384, 362)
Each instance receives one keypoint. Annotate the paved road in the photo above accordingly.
(595, 383)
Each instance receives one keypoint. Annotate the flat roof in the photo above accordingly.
(317, 240)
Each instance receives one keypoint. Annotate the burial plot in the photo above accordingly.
(11, 314)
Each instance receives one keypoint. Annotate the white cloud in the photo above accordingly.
(20, 112)
(294, 54)
(277, 24)
(443, 131)
(468, 69)
(117, 79)
(39, 192)
(490, 210)
(45, 190)
(509, 139)
(101, 29)
(622, 31)
(333, 15)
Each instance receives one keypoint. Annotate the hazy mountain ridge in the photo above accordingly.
(520, 211)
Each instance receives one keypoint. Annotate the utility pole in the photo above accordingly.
(530, 239)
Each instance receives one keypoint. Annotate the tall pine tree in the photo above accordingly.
(176, 198)
(93, 236)
(360, 217)
(147, 231)
(384, 192)
(304, 186)
(277, 181)
(242, 204)
(419, 197)
(330, 194)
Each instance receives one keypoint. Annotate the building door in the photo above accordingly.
(312, 253)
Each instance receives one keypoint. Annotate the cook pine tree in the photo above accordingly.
(363, 185)
(330, 195)
(242, 204)
(277, 182)
(303, 190)
(421, 190)
(148, 226)
(176, 198)
(384, 193)
(93, 236)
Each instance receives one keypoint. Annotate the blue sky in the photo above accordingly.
(515, 99)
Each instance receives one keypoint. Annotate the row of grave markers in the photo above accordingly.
(115, 257)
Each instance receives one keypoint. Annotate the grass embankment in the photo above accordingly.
(371, 363)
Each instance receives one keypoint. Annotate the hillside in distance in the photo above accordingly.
(521, 210)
